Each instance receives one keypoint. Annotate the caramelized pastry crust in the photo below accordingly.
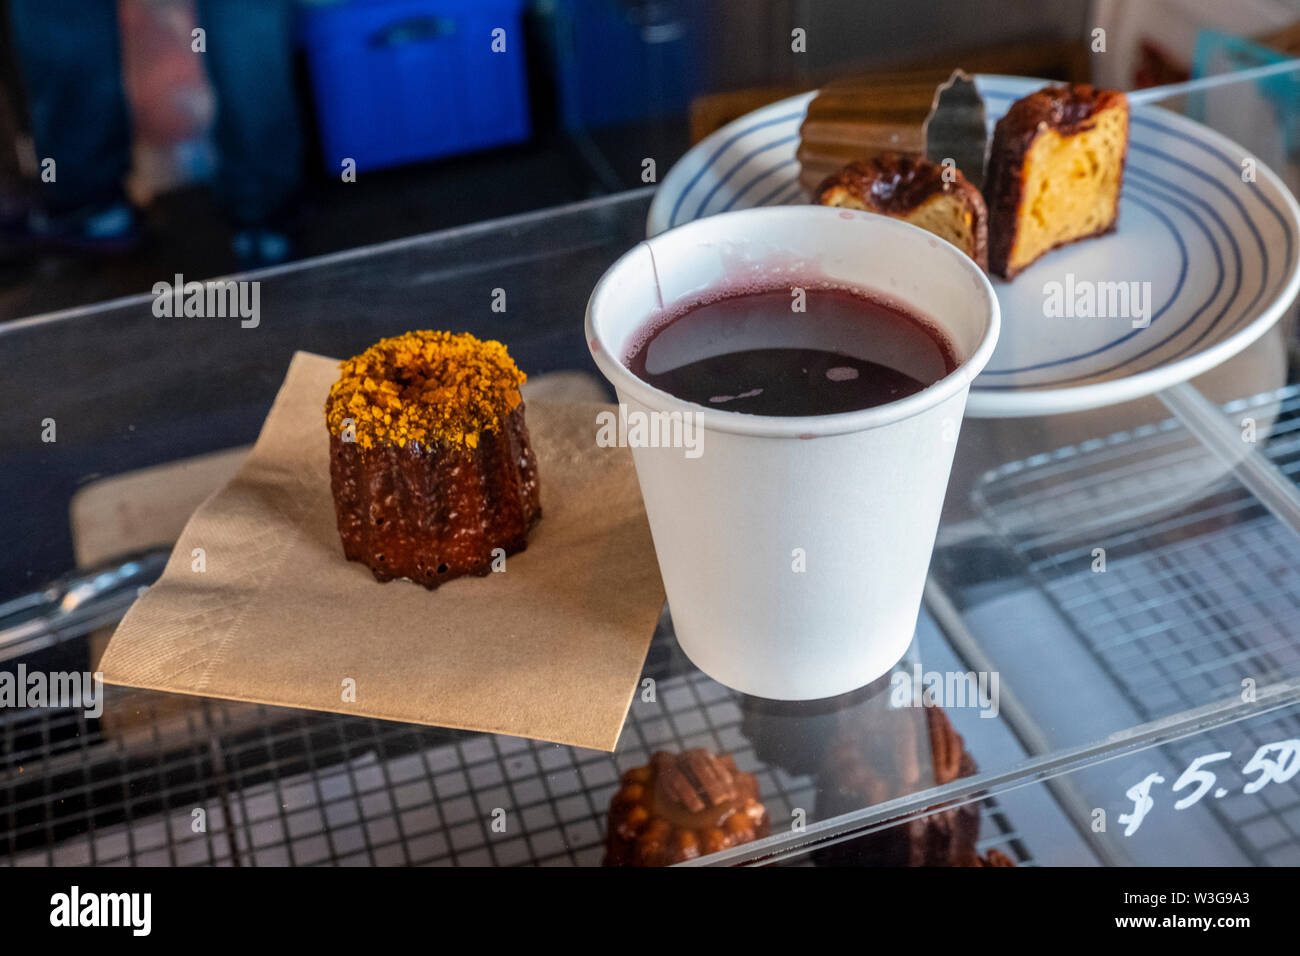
(1055, 172)
(682, 806)
(431, 468)
(937, 198)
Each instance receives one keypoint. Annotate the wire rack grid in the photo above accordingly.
(1199, 593)
(288, 787)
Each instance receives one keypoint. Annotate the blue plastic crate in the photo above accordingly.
(399, 81)
(618, 61)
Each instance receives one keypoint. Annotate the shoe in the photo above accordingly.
(257, 248)
(111, 227)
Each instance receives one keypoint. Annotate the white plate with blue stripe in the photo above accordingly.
(1207, 255)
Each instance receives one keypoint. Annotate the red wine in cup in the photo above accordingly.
(753, 352)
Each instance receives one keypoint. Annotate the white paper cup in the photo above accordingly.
(853, 498)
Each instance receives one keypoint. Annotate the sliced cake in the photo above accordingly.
(935, 197)
(1055, 172)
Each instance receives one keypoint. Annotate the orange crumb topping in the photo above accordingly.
(425, 387)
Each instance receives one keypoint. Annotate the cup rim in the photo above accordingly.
(802, 426)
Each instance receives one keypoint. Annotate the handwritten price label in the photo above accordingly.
(1273, 763)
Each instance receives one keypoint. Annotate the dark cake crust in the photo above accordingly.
(435, 513)
(896, 184)
(680, 807)
(893, 183)
(1066, 109)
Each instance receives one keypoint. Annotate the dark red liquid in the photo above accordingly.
(752, 352)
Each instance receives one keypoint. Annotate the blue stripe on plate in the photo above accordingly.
(1178, 288)
(1250, 223)
(794, 196)
(1214, 294)
(1236, 168)
(786, 192)
(754, 181)
(738, 165)
(677, 206)
(1239, 272)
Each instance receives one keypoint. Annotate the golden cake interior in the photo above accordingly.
(943, 215)
(1071, 183)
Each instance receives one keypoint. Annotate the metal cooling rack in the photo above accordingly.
(1198, 594)
(1266, 825)
(281, 786)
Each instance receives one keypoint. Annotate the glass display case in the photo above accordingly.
(1106, 669)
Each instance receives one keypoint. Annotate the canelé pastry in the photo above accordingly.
(945, 837)
(430, 463)
(682, 806)
(926, 194)
(928, 113)
(1055, 172)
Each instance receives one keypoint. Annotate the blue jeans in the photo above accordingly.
(69, 57)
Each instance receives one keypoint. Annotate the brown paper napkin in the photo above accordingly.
(551, 648)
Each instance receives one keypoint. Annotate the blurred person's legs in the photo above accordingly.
(258, 133)
(69, 57)
(14, 187)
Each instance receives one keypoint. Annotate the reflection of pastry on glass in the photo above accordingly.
(682, 806)
(937, 198)
(945, 837)
(1055, 171)
(430, 464)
